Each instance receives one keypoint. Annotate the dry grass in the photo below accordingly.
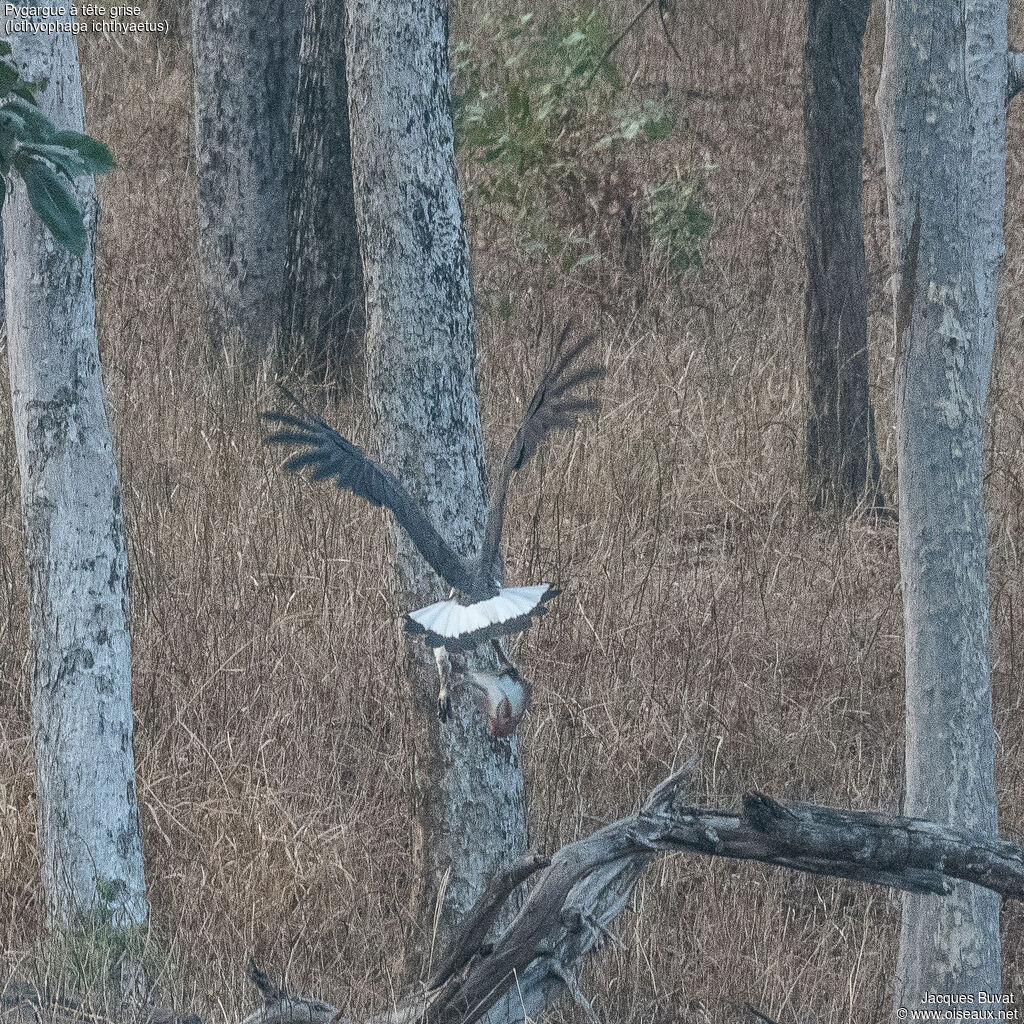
(706, 610)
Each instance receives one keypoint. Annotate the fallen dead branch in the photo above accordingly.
(586, 884)
(24, 1003)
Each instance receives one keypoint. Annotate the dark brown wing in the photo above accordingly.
(332, 457)
(556, 405)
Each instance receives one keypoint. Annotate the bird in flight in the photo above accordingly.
(484, 609)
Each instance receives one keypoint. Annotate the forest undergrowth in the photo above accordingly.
(706, 609)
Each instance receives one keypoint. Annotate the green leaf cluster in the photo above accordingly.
(524, 88)
(550, 132)
(678, 222)
(48, 160)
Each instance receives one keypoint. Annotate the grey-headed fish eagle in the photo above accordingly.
(484, 609)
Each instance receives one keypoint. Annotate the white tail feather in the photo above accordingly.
(451, 620)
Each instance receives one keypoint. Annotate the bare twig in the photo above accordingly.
(473, 931)
(693, 94)
(618, 39)
(667, 33)
(1014, 74)
(755, 1012)
(280, 1007)
(271, 992)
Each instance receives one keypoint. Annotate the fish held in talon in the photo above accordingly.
(504, 695)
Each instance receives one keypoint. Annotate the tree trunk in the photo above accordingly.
(77, 568)
(842, 461)
(941, 101)
(323, 294)
(3, 264)
(420, 373)
(246, 66)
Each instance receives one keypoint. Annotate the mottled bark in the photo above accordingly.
(77, 567)
(420, 354)
(245, 58)
(323, 299)
(842, 461)
(942, 105)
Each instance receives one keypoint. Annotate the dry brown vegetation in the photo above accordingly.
(706, 609)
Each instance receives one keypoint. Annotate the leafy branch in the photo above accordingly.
(557, 143)
(47, 160)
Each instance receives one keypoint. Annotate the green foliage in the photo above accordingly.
(520, 103)
(552, 134)
(678, 222)
(48, 160)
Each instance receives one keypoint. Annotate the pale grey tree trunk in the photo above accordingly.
(842, 460)
(323, 301)
(422, 383)
(941, 102)
(77, 568)
(245, 58)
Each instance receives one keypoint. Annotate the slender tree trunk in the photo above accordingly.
(246, 68)
(323, 308)
(941, 102)
(421, 379)
(78, 573)
(842, 460)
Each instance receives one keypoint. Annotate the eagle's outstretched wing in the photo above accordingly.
(556, 405)
(331, 457)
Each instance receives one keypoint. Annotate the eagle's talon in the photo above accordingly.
(444, 675)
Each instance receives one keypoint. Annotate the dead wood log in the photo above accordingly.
(22, 1002)
(280, 1007)
(587, 883)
